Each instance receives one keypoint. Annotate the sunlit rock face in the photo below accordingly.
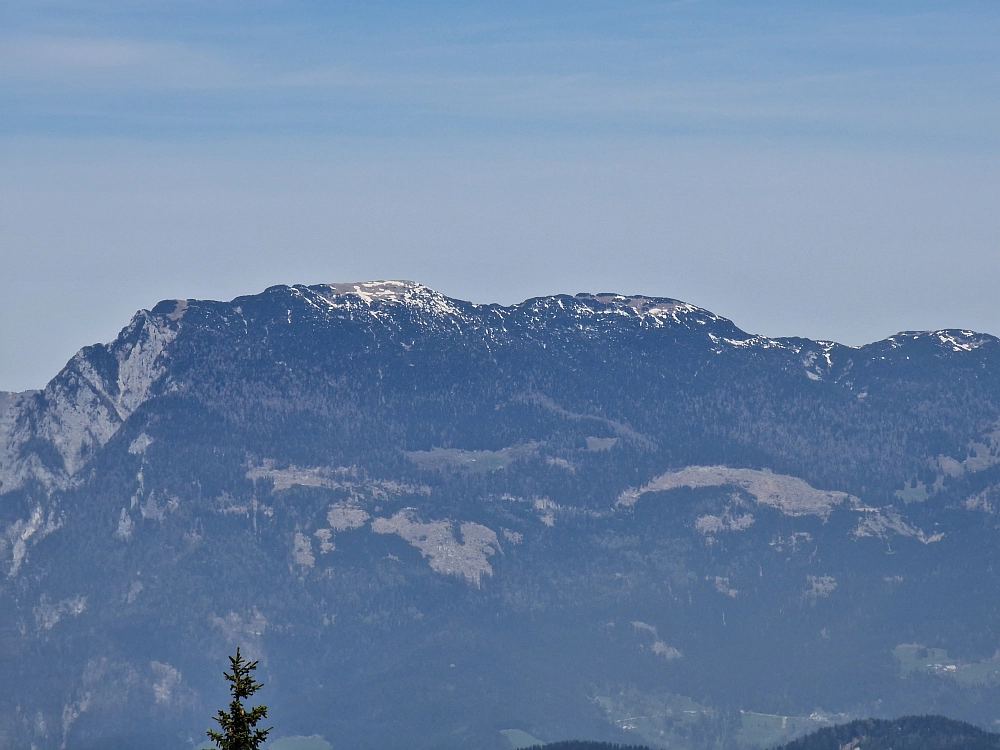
(440, 524)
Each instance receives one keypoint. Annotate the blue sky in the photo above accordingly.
(819, 169)
(189, 70)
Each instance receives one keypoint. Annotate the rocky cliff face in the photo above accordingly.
(591, 516)
(48, 436)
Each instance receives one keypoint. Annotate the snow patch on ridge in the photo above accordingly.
(370, 293)
(954, 340)
(642, 306)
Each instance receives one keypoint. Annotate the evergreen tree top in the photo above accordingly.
(239, 726)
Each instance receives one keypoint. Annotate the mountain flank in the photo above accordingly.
(616, 518)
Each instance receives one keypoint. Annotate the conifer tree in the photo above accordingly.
(239, 726)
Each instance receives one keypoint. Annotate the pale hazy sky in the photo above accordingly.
(825, 169)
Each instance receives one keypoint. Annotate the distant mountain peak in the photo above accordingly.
(404, 293)
(956, 340)
(642, 305)
(394, 290)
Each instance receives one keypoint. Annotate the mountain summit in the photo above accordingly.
(595, 516)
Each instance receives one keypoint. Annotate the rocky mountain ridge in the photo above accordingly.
(103, 384)
(615, 515)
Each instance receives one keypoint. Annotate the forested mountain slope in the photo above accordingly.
(616, 518)
(907, 733)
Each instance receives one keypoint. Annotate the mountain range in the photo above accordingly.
(443, 524)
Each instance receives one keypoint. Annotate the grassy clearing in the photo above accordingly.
(913, 657)
(519, 739)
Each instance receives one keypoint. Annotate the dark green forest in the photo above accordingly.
(906, 733)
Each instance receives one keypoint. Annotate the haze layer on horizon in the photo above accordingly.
(827, 170)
